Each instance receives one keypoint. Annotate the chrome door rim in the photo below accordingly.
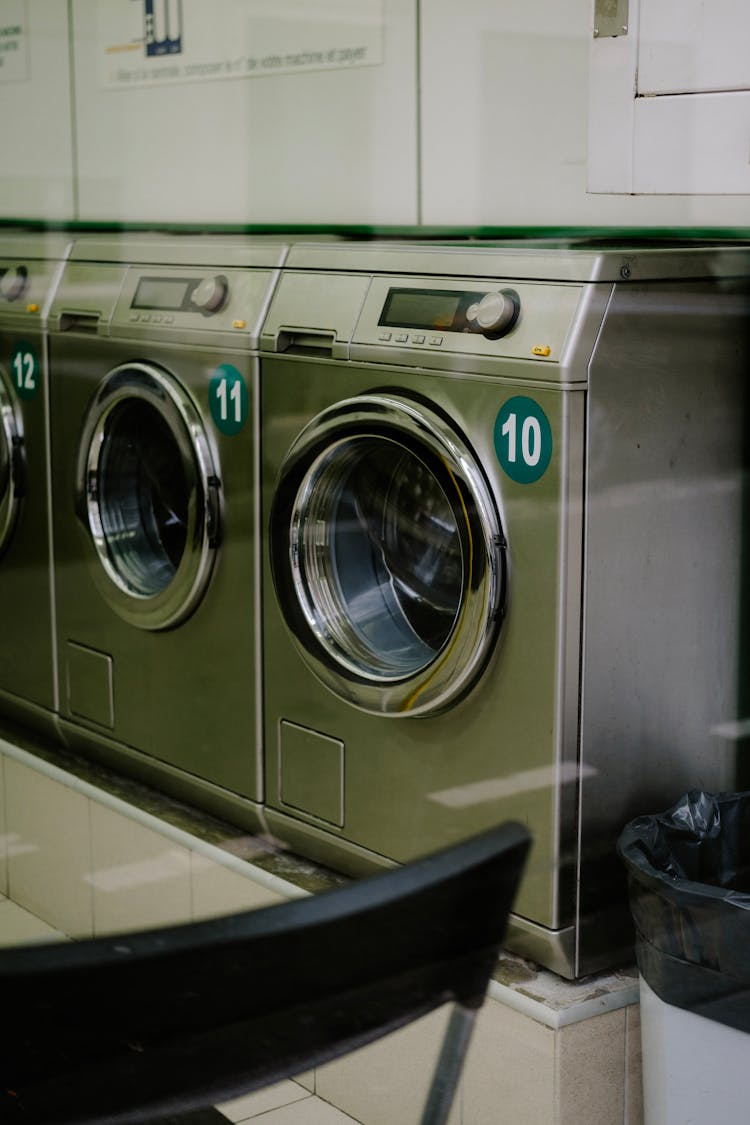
(302, 545)
(12, 493)
(145, 383)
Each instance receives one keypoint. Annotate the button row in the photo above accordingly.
(416, 338)
(152, 318)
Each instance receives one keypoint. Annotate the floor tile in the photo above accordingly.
(633, 1067)
(310, 1111)
(273, 1097)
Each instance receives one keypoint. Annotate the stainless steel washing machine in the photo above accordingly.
(503, 495)
(30, 264)
(155, 478)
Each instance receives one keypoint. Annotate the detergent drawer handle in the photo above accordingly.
(301, 341)
(79, 322)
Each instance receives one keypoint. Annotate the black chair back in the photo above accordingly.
(122, 1029)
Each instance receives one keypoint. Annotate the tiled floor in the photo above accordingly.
(286, 1103)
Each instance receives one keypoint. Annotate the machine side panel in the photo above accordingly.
(663, 560)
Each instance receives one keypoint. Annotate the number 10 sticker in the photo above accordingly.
(523, 440)
(227, 395)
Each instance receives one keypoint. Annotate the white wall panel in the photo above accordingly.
(699, 144)
(263, 122)
(36, 176)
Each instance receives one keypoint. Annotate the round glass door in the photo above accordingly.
(148, 496)
(387, 556)
(11, 468)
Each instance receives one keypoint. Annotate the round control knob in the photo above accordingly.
(14, 283)
(497, 312)
(210, 294)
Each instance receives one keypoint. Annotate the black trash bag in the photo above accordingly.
(689, 885)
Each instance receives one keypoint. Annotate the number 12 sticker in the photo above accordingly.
(523, 440)
(25, 368)
(227, 393)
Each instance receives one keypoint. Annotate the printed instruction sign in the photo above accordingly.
(153, 42)
(14, 49)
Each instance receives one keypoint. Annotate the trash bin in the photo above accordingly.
(689, 885)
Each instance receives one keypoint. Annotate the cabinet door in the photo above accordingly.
(693, 46)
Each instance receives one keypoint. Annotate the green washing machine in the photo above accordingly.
(155, 509)
(30, 264)
(502, 507)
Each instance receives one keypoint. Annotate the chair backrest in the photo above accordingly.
(117, 1029)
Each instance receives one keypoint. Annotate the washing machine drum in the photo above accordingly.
(148, 496)
(11, 467)
(388, 555)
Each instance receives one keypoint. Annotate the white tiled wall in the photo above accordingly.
(510, 1070)
(590, 1070)
(216, 890)
(139, 879)
(49, 849)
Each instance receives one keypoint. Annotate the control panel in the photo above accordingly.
(156, 301)
(470, 318)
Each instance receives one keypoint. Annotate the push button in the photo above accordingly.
(402, 338)
(417, 339)
(436, 341)
(385, 335)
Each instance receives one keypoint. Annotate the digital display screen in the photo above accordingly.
(160, 293)
(442, 310)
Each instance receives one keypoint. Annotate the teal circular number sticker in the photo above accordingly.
(227, 394)
(25, 367)
(523, 440)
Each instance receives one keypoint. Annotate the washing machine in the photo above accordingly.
(155, 512)
(503, 493)
(29, 268)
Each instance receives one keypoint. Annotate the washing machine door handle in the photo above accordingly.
(148, 496)
(388, 555)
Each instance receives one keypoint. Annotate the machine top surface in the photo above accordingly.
(34, 245)
(585, 261)
(225, 250)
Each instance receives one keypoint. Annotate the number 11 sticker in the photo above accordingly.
(523, 439)
(227, 393)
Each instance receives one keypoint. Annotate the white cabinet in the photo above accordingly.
(670, 100)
